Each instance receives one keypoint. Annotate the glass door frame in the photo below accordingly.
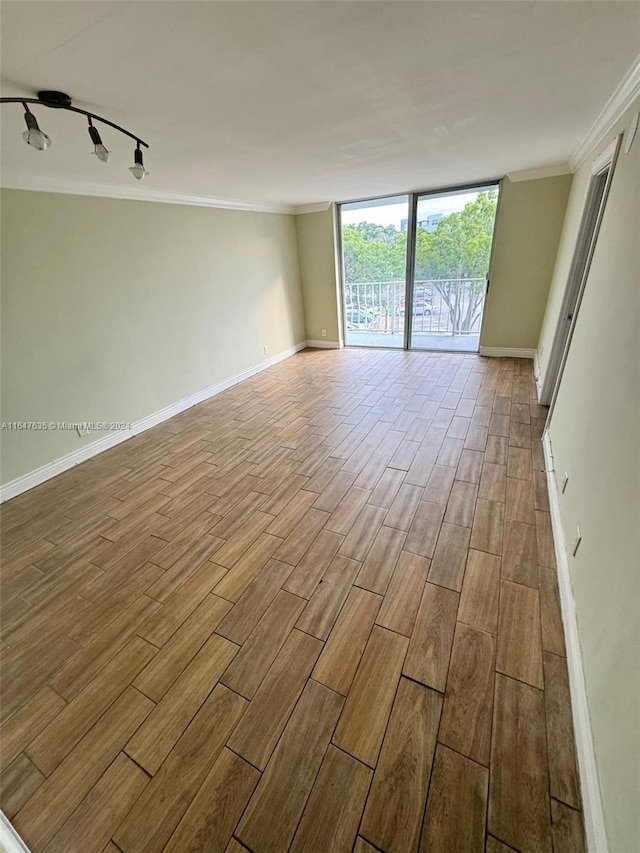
(413, 198)
(342, 292)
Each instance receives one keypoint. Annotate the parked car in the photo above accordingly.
(367, 309)
(423, 307)
(420, 306)
(358, 319)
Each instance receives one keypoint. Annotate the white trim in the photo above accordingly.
(630, 133)
(619, 102)
(312, 208)
(587, 767)
(336, 239)
(585, 243)
(52, 469)
(492, 262)
(507, 352)
(10, 841)
(64, 187)
(604, 160)
(322, 344)
(540, 172)
(536, 374)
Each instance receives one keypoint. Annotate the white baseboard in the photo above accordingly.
(507, 352)
(587, 767)
(52, 469)
(10, 841)
(322, 344)
(536, 375)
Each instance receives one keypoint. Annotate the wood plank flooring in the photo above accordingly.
(317, 613)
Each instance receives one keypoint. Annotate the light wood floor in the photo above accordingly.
(316, 613)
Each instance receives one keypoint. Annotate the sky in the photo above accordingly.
(394, 210)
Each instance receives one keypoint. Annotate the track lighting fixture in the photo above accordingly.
(138, 170)
(101, 152)
(39, 140)
(33, 136)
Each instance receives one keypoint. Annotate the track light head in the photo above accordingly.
(138, 170)
(101, 152)
(39, 140)
(33, 136)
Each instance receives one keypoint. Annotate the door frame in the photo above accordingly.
(340, 265)
(492, 257)
(411, 250)
(412, 196)
(590, 221)
(410, 268)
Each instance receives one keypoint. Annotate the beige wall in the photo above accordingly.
(564, 257)
(595, 435)
(316, 249)
(527, 234)
(112, 310)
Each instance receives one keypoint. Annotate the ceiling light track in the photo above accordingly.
(39, 140)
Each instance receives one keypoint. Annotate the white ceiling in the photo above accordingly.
(302, 102)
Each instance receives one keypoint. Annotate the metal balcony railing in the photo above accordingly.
(440, 306)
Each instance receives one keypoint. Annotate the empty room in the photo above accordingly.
(320, 409)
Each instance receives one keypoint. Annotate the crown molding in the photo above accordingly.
(312, 208)
(541, 172)
(55, 185)
(627, 91)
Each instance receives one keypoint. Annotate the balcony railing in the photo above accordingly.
(440, 306)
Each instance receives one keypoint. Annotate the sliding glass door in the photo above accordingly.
(450, 264)
(415, 268)
(374, 258)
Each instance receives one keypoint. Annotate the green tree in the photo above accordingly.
(461, 243)
(459, 249)
(373, 253)
(456, 251)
